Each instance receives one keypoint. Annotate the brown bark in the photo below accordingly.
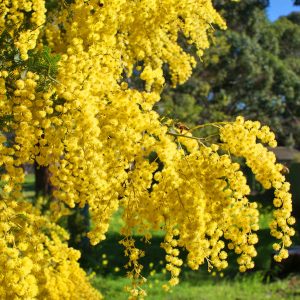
(43, 185)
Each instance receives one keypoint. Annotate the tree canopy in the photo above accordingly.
(68, 103)
(251, 69)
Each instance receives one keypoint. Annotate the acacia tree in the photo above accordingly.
(81, 118)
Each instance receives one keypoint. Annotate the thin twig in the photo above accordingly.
(215, 124)
(186, 136)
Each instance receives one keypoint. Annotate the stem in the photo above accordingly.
(186, 136)
(209, 124)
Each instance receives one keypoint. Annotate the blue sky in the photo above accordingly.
(281, 8)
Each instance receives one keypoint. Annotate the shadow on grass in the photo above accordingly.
(108, 258)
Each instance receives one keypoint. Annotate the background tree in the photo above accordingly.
(252, 69)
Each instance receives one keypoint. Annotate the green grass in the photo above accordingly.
(194, 285)
(240, 288)
(29, 186)
(107, 260)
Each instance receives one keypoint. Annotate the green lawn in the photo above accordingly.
(107, 260)
(240, 288)
(28, 186)
(194, 285)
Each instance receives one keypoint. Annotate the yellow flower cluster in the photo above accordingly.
(23, 19)
(35, 260)
(241, 139)
(105, 146)
(136, 268)
(109, 127)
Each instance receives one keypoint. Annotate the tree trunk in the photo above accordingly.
(43, 185)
